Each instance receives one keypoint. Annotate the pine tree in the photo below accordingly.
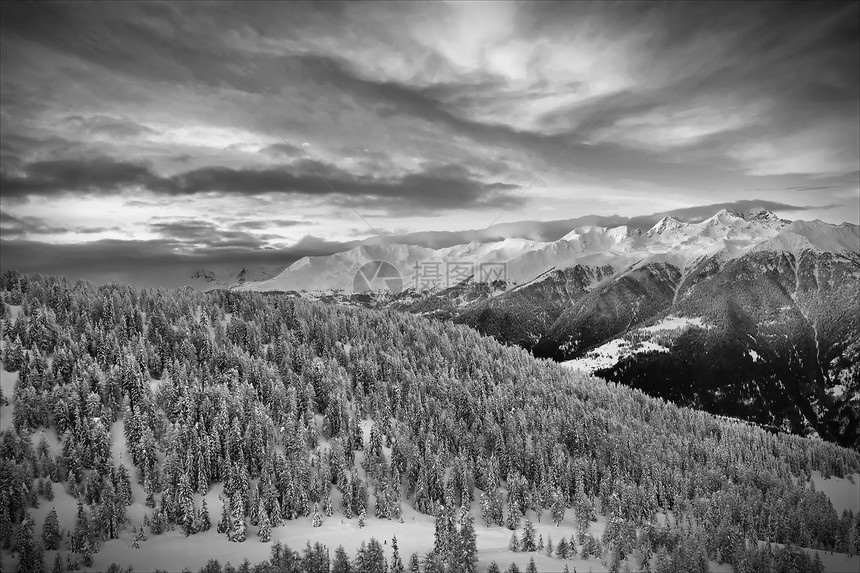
(396, 562)
(493, 568)
(532, 568)
(328, 510)
(49, 490)
(514, 543)
(51, 531)
(265, 531)
(528, 540)
(341, 562)
(362, 517)
(203, 517)
(549, 546)
(561, 549)
(81, 532)
(557, 509)
(468, 559)
(317, 519)
(236, 532)
(817, 564)
(414, 563)
(224, 522)
(58, 564)
(31, 556)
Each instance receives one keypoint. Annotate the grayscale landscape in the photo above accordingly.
(430, 287)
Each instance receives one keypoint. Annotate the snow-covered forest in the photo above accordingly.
(137, 420)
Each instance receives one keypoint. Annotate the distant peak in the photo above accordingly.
(666, 223)
(729, 212)
(760, 215)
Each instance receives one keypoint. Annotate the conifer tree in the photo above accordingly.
(203, 517)
(328, 510)
(236, 531)
(341, 563)
(396, 562)
(58, 564)
(528, 539)
(561, 549)
(265, 531)
(514, 543)
(51, 531)
(317, 519)
(31, 556)
(224, 522)
(468, 558)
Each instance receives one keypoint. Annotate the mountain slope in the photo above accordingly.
(768, 309)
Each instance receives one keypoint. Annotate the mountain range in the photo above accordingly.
(742, 314)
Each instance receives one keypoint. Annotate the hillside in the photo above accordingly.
(284, 415)
(780, 298)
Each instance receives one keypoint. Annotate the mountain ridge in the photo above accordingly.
(764, 305)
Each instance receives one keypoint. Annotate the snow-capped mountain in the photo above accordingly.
(747, 315)
(670, 240)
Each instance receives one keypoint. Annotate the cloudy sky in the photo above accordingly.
(168, 137)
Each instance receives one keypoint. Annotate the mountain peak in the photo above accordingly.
(729, 212)
(762, 215)
(666, 223)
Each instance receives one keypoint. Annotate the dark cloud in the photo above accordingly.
(199, 234)
(11, 226)
(440, 187)
(25, 226)
(97, 175)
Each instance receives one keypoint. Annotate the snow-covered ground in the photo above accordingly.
(844, 493)
(7, 381)
(610, 353)
(675, 323)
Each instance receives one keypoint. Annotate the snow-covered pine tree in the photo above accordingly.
(265, 531)
(527, 542)
(236, 531)
(203, 517)
(224, 522)
(514, 543)
(396, 561)
(51, 531)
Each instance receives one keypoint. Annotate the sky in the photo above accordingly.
(142, 141)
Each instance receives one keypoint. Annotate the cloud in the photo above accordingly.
(114, 127)
(26, 226)
(418, 110)
(97, 175)
(436, 188)
(263, 224)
